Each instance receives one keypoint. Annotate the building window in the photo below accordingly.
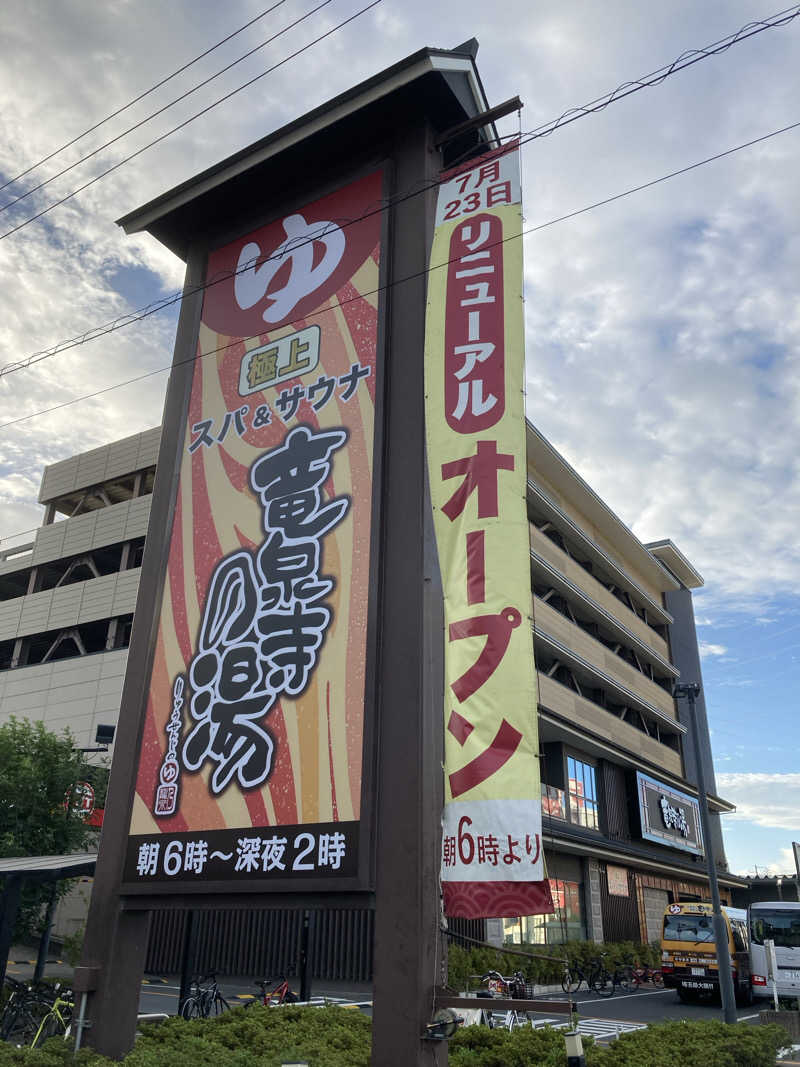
(565, 924)
(553, 802)
(582, 793)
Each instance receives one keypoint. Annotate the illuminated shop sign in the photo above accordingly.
(668, 817)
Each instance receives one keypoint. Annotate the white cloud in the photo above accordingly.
(767, 800)
(663, 331)
(707, 649)
(782, 865)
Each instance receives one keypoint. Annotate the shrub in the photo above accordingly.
(72, 946)
(696, 1044)
(337, 1037)
(478, 1046)
(258, 1037)
(465, 961)
(54, 1053)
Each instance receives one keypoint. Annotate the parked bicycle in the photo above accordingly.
(646, 974)
(22, 1012)
(273, 992)
(204, 999)
(58, 1021)
(624, 978)
(512, 987)
(596, 977)
(25, 1008)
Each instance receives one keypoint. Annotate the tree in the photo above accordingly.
(37, 769)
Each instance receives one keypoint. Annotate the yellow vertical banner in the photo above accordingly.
(492, 861)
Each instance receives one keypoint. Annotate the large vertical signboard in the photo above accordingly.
(251, 758)
(491, 846)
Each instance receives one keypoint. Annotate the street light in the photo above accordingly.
(104, 736)
(690, 691)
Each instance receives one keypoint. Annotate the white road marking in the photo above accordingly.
(595, 1027)
(624, 996)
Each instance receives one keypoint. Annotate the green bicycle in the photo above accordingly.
(57, 1022)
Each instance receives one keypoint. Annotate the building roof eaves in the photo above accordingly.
(33, 866)
(415, 66)
(671, 557)
(576, 841)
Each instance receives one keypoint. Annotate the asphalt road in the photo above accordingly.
(650, 1006)
(644, 1006)
(159, 995)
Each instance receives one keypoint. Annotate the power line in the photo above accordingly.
(418, 274)
(95, 332)
(166, 107)
(686, 59)
(191, 118)
(680, 63)
(141, 96)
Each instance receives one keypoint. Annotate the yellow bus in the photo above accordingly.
(689, 954)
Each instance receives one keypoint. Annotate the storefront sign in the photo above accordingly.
(251, 758)
(617, 881)
(80, 800)
(668, 816)
(474, 357)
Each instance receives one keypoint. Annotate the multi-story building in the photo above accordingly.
(613, 630)
(67, 598)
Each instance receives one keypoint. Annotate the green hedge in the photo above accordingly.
(337, 1037)
(465, 961)
(675, 1044)
(696, 1044)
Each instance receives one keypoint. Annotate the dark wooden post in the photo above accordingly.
(407, 938)
(188, 953)
(9, 905)
(44, 938)
(115, 945)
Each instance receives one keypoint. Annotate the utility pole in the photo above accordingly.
(690, 691)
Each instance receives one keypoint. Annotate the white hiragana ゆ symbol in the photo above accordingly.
(331, 850)
(147, 861)
(272, 855)
(251, 282)
(195, 856)
(248, 854)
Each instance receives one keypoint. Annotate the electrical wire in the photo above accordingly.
(186, 122)
(419, 274)
(141, 96)
(155, 306)
(686, 59)
(166, 107)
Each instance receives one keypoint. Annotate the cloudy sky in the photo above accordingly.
(662, 329)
